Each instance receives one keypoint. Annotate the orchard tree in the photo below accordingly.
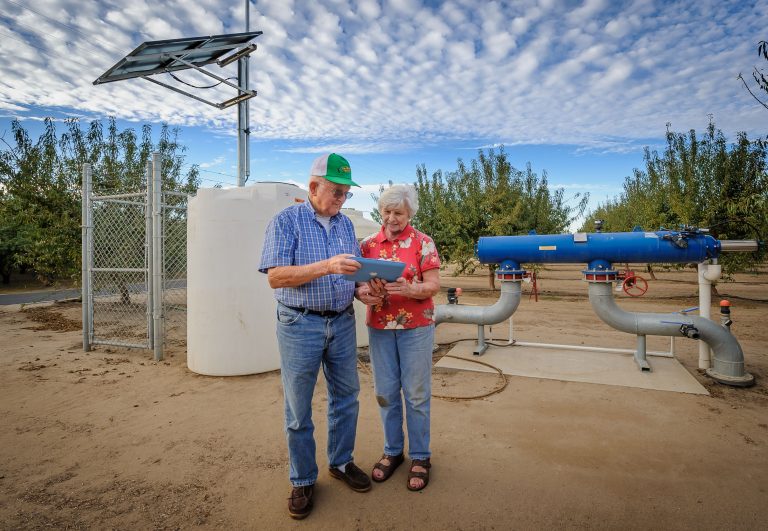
(40, 187)
(488, 198)
(699, 181)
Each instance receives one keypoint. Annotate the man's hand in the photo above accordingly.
(293, 276)
(342, 264)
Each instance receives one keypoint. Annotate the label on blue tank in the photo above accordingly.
(547, 247)
(651, 235)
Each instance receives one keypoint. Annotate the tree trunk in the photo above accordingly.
(491, 278)
(6, 278)
(125, 296)
(649, 268)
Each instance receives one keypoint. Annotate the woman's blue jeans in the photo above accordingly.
(306, 342)
(402, 368)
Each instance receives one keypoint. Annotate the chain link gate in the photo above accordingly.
(134, 265)
(174, 252)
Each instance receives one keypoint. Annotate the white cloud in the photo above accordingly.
(374, 76)
(215, 162)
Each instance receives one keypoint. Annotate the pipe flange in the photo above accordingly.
(605, 276)
(746, 380)
(510, 276)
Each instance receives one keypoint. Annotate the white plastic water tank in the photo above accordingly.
(230, 306)
(363, 228)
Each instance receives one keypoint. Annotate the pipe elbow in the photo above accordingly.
(728, 359)
(508, 302)
(712, 272)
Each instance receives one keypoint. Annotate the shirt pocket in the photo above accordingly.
(310, 253)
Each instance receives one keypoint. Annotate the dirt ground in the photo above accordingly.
(110, 439)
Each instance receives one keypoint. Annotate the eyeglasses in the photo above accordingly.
(338, 194)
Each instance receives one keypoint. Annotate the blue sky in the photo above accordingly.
(574, 87)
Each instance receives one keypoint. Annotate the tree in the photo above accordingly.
(488, 198)
(698, 181)
(40, 187)
(758, 75)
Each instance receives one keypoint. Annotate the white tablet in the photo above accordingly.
(372, 268)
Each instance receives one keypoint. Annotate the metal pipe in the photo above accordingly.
(119, 269)
(739, 246)
(148, 244)
(157, 256)
(482, 315)
(118, 343)
(672, 247)
(589, 349)
(121, 196)
(707, 273)
(728, 359)
(118, 201)
(188, 94)
(640, 353)
(243, 118)
(85, 258)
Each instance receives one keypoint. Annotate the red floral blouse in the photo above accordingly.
(418, 252)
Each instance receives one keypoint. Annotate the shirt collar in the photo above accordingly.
(311, 209)
(381, 237)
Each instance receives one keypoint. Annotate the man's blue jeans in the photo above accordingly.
(402, 360)
(306, 342)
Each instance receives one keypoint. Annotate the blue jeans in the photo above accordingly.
(402, 361)
(306, 342)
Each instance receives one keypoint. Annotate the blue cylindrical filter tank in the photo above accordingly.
(660, 246)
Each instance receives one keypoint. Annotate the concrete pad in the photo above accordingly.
(666, 374)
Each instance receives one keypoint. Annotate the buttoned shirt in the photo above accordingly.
(418, 252)
(294, 237)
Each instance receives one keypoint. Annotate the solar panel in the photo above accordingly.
(155, 57)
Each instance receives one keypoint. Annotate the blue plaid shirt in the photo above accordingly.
(295, 237)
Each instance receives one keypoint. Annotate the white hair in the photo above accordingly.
(400, 195)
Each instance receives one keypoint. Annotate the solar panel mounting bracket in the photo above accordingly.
(158, 57)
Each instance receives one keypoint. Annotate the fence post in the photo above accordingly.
(157, 256)
(148, 244)
(85, 258)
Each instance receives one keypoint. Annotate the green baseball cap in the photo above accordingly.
(335, 168)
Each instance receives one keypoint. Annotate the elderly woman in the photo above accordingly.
(401, 333)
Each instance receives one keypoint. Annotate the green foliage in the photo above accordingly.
(699, 181)
(40, 187)
(487, 198)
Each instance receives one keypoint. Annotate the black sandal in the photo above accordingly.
(394, 462)
(419, 475)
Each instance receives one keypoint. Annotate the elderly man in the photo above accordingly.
(307, 249)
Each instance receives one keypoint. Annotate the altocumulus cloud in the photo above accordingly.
(402, 72)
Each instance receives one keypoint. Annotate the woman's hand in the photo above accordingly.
(376, 286)
(416, 289)
(364, 294)
(400, 287)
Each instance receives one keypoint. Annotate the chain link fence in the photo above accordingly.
(134, 266)
(174, 244)
(119, 300)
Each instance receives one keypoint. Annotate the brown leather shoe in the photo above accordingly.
(354, 477)
(300, 502)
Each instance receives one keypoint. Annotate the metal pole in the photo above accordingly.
(85, 258)
(148, 261)
(157, 257)
(243, 164)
